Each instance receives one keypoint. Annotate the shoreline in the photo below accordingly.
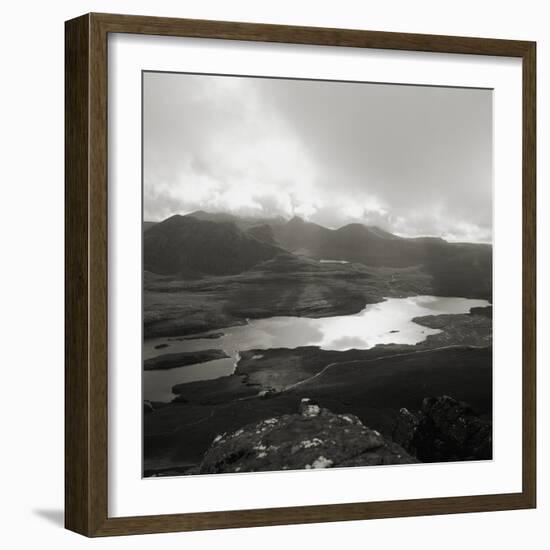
(372, 384)
(176, 307)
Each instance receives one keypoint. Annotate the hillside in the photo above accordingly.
(185, 245)
(242, 222)
(147, 225)
(223, 244)
(355, 242)
(457, 269)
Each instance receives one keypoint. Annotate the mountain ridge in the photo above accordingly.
(183, 245)
(202, 243)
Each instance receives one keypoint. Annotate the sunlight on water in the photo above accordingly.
(383, 323)
(333, 262)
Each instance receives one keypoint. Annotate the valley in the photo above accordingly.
(209, 272)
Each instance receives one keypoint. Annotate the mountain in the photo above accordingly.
(186, 245)
(263, 233)
(148, 225)
(457, 269)
(213, 216)
(353, 242)
(242, 222)
(222, 244)
(300, 236)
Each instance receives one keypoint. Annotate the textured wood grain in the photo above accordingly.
(77, 459)
(529, 373)
(86, 424)
(308, 35)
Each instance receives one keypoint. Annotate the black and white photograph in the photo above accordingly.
(317, 282)
(278, 274)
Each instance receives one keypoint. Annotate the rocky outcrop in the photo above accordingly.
(313, 438)
(444, 430)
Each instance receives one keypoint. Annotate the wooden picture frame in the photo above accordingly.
(86, 283)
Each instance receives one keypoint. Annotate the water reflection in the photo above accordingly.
(333, 262)
(383, 323)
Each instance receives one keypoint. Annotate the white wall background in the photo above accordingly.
(31, 247)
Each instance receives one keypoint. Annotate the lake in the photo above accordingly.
(387, 322)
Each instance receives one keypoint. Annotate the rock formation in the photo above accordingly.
(444, 430)
(313, 438)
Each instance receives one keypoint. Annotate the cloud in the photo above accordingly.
(219, 150)
(414, 160)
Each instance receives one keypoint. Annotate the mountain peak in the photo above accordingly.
(354, 228)
(175, 218)
(189, 244)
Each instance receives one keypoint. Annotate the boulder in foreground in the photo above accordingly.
(313, 438)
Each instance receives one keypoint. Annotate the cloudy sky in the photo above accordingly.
(413, 160)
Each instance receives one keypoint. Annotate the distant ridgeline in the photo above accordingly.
(204, 243)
